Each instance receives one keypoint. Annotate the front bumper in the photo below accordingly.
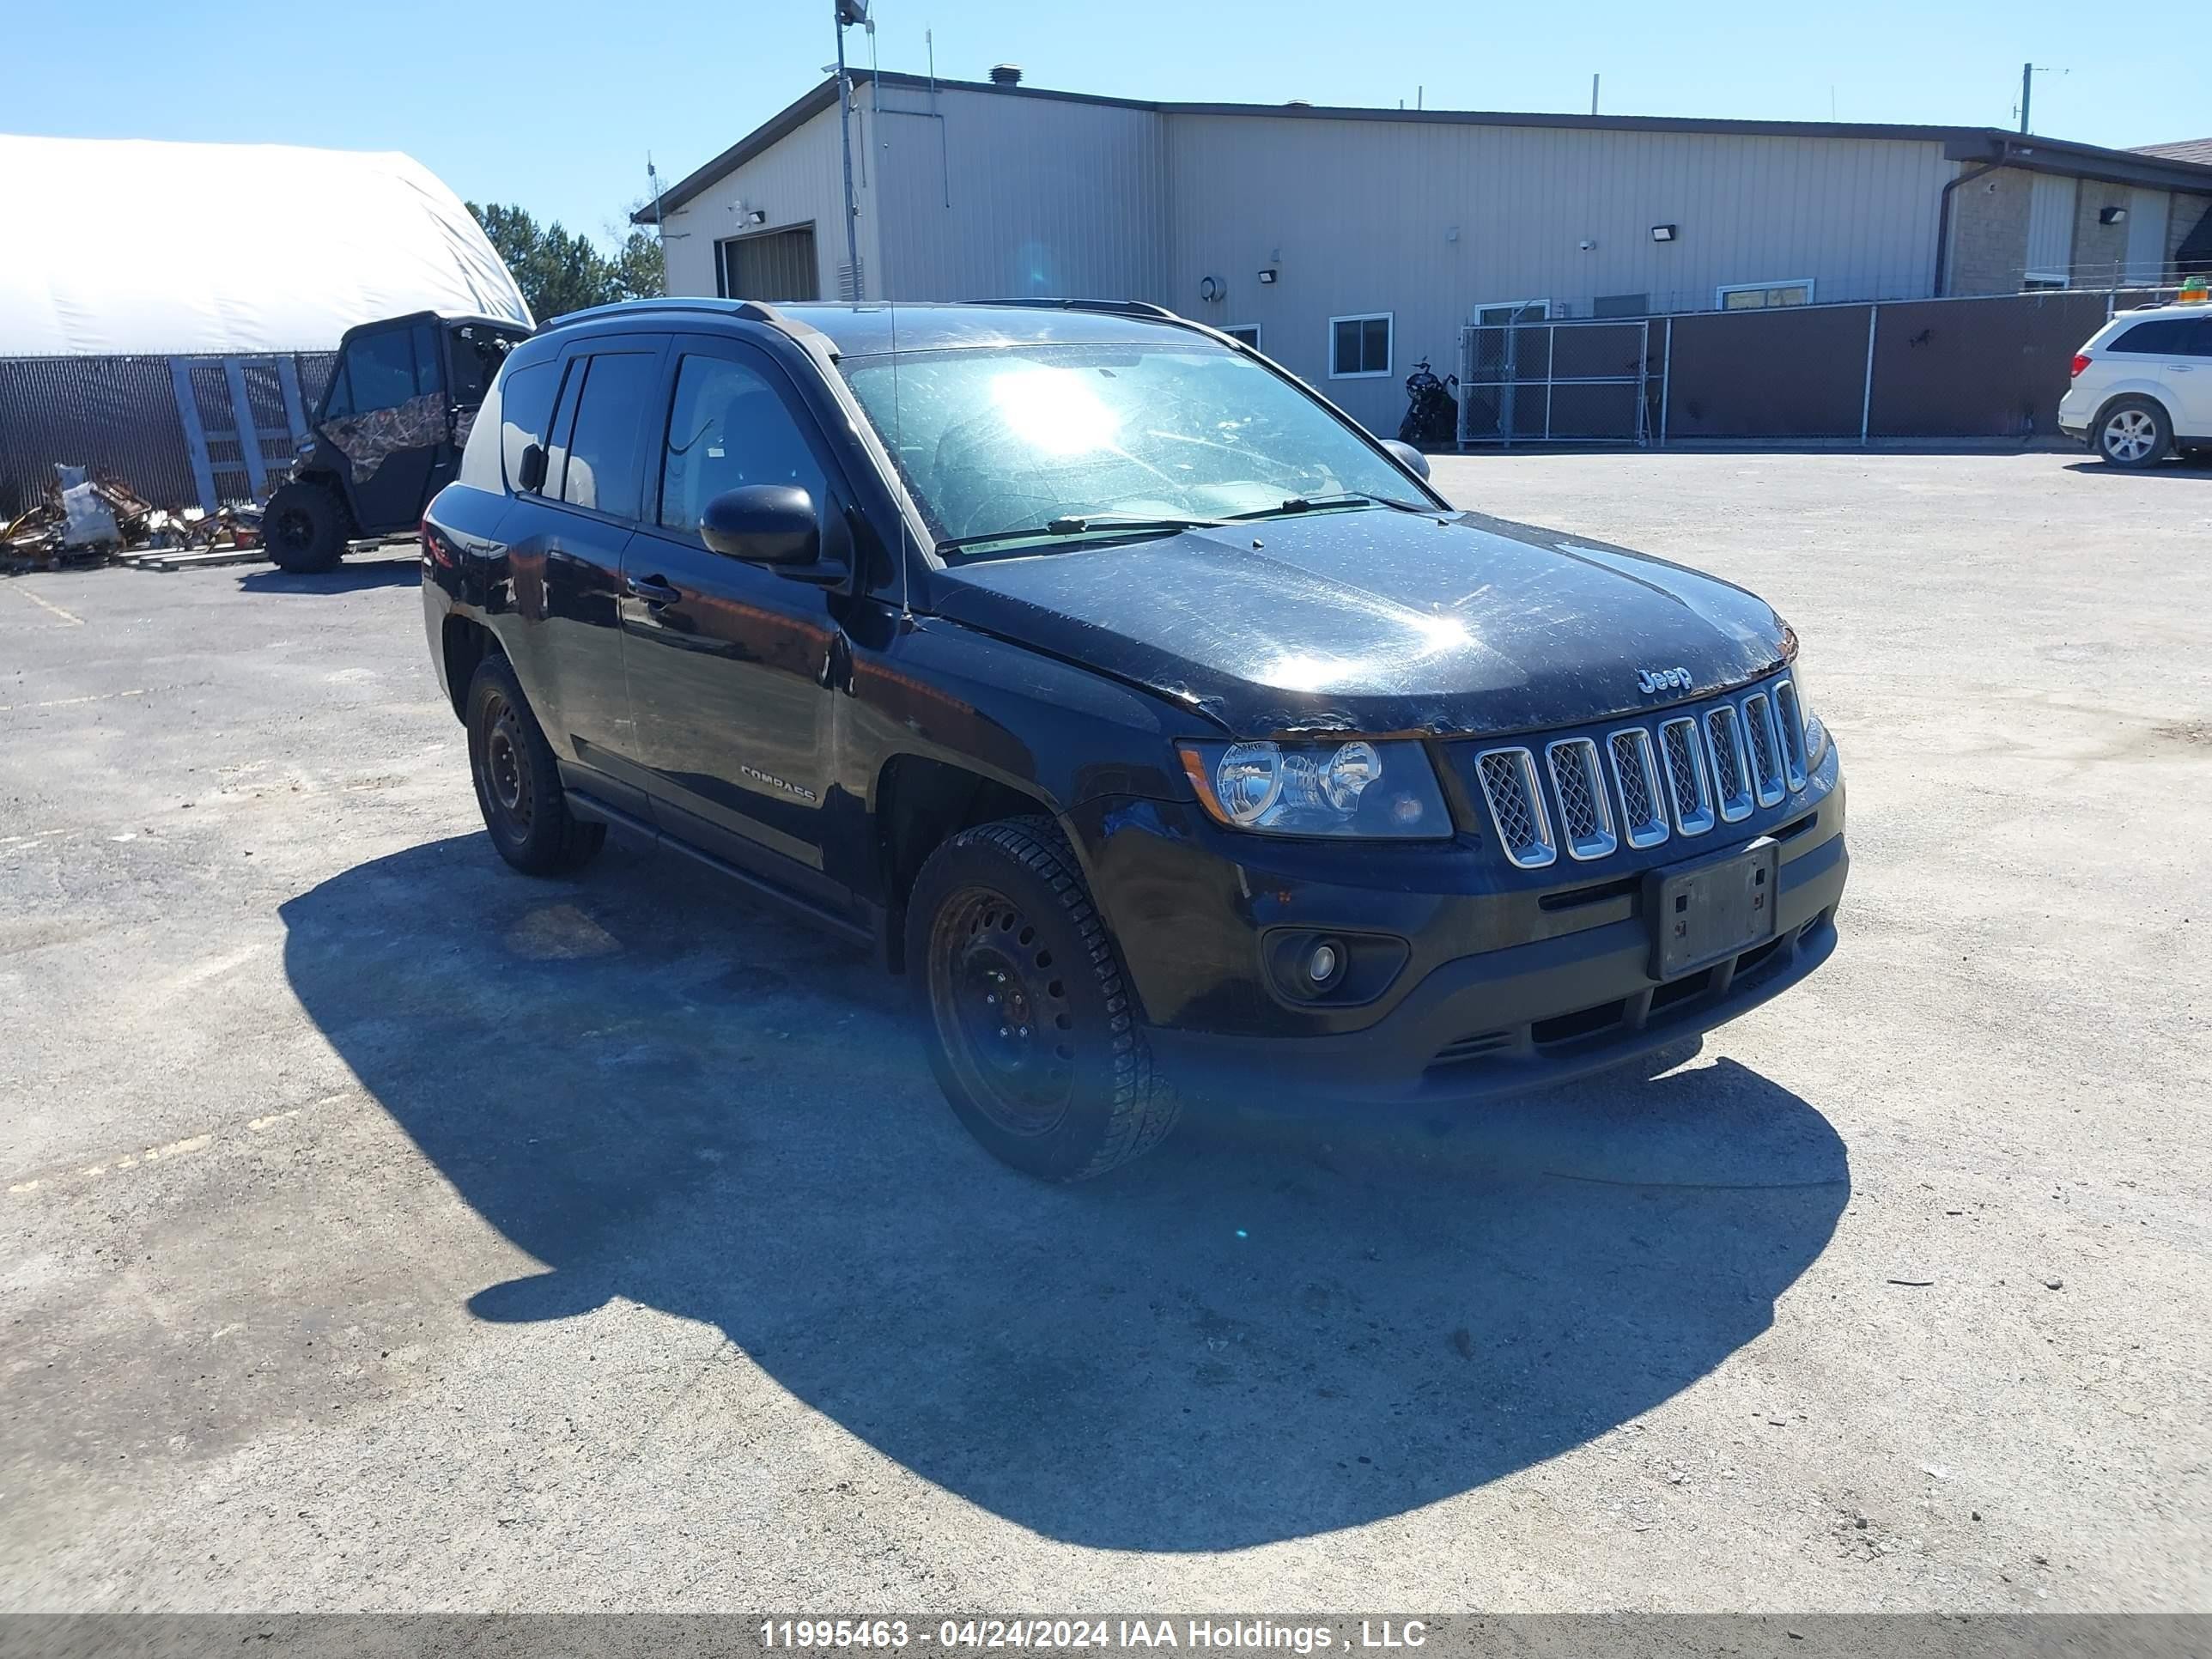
(1525, 1017)
(1509, 979)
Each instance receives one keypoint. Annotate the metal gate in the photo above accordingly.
(244, 419)
(1555, 383)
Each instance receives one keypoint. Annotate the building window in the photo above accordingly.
(1248, 332)
(1359, 347)
(2042, 281)
(1512, 312)
(1763, 296)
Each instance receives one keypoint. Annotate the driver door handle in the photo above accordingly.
(654, 590)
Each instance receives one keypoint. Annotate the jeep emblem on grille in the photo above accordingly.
(1649, 680)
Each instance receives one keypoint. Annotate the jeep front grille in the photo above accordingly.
(1585, 809)
(1765, 749)
(1791, 718)
(1689, 783)
(1731, 768)
(1637, 785)
(1644, 819)
(1517, 806)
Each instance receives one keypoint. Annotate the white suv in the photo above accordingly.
(2142, 386)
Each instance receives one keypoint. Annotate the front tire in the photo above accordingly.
(304, 527)
(1031, 1028)
(517, 782)
(2133, 432)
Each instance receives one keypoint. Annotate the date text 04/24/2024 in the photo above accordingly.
(821, 1635)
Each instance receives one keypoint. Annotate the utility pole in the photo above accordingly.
(848, 13)
(659, 219)
(1593, 94)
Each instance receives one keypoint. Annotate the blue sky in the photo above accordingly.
(554, 105)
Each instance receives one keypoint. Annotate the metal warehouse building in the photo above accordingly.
(1350, 242)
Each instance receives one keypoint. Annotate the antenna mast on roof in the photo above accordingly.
(659, 220)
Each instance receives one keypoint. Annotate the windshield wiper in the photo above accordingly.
(1082, 523)
(1342, 498)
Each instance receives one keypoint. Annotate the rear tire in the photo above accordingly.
(304, 527)
(1031, 1028)
(2133, 432)
(519, 782)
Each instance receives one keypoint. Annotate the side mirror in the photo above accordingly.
(1415, 462)
(531, 475)
(763, 524)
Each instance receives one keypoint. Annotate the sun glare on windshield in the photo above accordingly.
(1055, 410)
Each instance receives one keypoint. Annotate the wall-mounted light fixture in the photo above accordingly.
(1267, 276)
(2111, 215)
(1663, 232)
(1211, 288)
(757, 216)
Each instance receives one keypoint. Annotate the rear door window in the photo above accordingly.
(602, 470)
(525, 410)
(2168, 336)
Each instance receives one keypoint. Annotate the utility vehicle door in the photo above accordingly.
(386, 414)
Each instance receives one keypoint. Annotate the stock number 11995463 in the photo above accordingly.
(818, 1633)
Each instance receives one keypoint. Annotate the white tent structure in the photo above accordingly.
(331, 238)
(137, 336)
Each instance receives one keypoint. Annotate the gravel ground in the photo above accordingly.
(381, 1230)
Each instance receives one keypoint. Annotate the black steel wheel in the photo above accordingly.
(1031, 1028)
(518, 780)
(1010, 1035)
(304, 527)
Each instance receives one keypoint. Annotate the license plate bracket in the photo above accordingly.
(1706, 909)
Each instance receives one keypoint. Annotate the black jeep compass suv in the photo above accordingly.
(1163, 726)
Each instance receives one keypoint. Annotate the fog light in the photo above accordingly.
(1324, 965)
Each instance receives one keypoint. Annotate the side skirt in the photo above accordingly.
(594, 811)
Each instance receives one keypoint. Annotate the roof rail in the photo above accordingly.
(750, 311)
(1119, 307)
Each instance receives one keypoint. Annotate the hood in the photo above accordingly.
(1377, 621)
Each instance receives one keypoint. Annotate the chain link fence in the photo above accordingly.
(1986, 368)
(167, 427)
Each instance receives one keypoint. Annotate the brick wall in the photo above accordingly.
(1989, 232)
(2100, 251)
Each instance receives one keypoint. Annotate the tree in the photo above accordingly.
(558, 272)
(640, 269)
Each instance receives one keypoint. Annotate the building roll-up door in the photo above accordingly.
(771, 265)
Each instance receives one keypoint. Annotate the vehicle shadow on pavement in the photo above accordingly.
(351, 576)
(1258, 1333)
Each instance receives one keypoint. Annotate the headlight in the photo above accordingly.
(1359, 788)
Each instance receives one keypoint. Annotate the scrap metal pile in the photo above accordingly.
(84, 520)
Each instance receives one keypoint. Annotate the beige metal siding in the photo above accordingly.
(1013, 196)
(2146, 215)
(1362, 213)
(2051, 225)
(798, 181)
